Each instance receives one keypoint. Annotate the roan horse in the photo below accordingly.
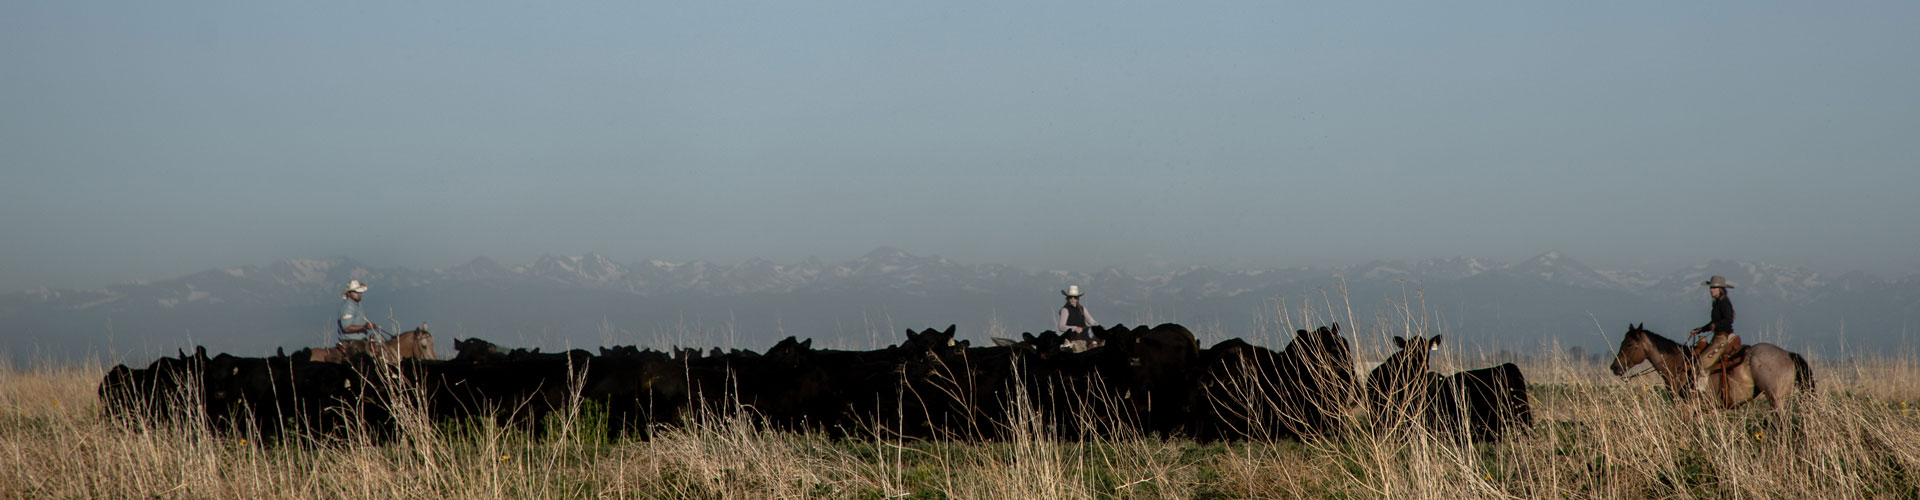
(415, 344)
(1766, 369)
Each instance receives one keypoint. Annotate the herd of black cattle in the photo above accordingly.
(1154, 379)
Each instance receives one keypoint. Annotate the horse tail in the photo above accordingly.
(1802, 375)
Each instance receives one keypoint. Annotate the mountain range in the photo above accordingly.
(588, 300)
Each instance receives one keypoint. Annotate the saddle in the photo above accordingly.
(1735, 354)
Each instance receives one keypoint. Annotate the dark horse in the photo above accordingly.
(415, 344)
(1765, 369)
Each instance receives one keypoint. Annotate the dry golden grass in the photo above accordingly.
(1596, 437)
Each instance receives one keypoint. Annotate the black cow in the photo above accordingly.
(1397, 389)
(1138, 377)
(520, 388)
(1149, 371)
(256, 397)
(240, 395)
(282, 394)
(472, 350)
(1247, 391)
(1481, 404)
(638, 388)
(795, 386)
(168, 390)
(1475, 404)
(923, 387)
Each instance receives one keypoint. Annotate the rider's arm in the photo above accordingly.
(1060, 322)
(352, 321)
(1088, 313)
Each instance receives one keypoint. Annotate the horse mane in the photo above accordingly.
(1659, 342)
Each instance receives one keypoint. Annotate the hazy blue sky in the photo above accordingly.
(147, 140)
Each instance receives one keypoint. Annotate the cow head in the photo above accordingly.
(620, 351)
(1326, 357)
(1322, 346)
(931, 339)
(1046, 344)
(790, 347)
(473, 349)
(1413, 357)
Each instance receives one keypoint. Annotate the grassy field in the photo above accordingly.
(1596, 437)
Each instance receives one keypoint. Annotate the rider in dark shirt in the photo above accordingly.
(1074, 319)
(1721, 325)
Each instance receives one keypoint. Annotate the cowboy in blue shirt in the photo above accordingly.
(352, 324)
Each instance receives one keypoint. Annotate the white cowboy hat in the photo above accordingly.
(1717, 281)
(356, 286)
(1071, 291)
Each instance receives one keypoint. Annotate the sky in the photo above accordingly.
(149, 140)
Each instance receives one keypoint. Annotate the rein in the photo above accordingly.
(1652, 366)
(1650, 369)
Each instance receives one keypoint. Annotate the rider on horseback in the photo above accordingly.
(1722, 327)
(1074, 320)
(352, 325)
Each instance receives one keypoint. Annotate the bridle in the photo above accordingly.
(1650, 369)
(1648, 361)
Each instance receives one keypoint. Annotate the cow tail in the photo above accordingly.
(1802, 375)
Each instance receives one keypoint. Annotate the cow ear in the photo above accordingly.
(1299, 333)
(1434, 345)
(808, 345)
(951, 328)
(1336, 328)
(1028, 336)
(1399, 342)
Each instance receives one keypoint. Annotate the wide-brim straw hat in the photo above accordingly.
(356, 286)
(1717, 281)
(1071, 291)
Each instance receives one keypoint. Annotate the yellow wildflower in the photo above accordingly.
(1762, 436)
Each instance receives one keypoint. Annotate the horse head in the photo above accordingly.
(1632, 351)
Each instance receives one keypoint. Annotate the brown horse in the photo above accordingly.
(1766, 369)
(415, 344)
